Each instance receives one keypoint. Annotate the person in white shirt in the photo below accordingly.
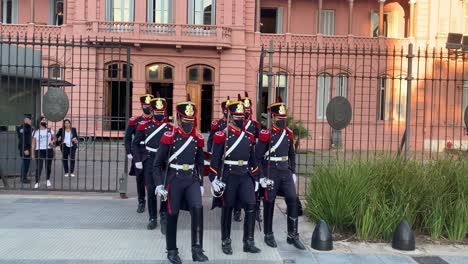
(42, 150)
(67, 139)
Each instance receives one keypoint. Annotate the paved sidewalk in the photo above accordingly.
(36, 229)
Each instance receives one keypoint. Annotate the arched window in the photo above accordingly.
(391, 101)
(280, 83)
(200, 74)
(341, 85)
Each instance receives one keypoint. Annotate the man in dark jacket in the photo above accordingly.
(24, 133)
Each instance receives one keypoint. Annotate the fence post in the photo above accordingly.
(124, 179)
(409, 79)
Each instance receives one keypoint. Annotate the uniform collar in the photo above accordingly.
(182, 133)
(234, 130)
(147, 117)
(158, 123)
(276, 129)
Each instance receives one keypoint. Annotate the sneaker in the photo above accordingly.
(48, 183)
(66, 174)
(36, 186)
(72, 174)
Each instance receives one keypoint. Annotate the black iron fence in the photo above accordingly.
(87, 81)
(409, 100)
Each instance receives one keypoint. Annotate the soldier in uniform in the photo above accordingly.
(234, 166)
(150, 132)
(129, 133)
(275, 149)
(253, 127)
(178, 168)
(24, 133)
(217, 125)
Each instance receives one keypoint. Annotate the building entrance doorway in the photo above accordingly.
(200, 79)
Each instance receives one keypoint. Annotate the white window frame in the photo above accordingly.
(110, 10)
(323, 94)
(395, 91)
(374, 24)
(53, 19)
(341, 85)
(280, 85)
(328, 26)
(14, 10)
(194, 14)
(163, 9)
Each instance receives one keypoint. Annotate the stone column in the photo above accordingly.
(319, 26)
(288, 28)
(350, 17)
(412, 18)
(257, 16)
(31, 11)
(381, 16)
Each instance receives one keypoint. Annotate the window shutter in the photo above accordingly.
(170, 11)
(213, 12)
(150, 11)
(131, 11)
(191, 12)
(14, 10)
(279, 20)
(51, 12)
(323, 95)
(109, 4)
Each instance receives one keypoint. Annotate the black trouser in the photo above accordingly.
(44, 155)
(150, 189)
(184, 190)
(140, 182)
(25, 162)
(284, 184)
(68, 154)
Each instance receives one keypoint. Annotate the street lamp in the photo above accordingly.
(457, 45)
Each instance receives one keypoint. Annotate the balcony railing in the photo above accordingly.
(298, 41)
(30, 30)
(205, 35)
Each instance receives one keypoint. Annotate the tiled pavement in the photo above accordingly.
(38, 229)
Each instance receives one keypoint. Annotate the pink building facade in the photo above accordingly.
(211, 49)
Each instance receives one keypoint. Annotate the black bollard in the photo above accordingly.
(322, 238)
(403, 238)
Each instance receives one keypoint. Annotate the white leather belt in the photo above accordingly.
(151, 149)
(284, 158)
(184, 167)
(236, 162)
(142, 142)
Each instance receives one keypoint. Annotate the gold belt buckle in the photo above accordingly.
(185, 167)
(284, 158)
(240, 162)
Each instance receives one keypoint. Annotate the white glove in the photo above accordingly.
(202, 190)
(129, 156)
(139, 165)
(294, 178)
(216, 185)
(256, 186)
(161, 191)
(263, 182)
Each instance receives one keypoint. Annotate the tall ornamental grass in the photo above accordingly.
(371, 197)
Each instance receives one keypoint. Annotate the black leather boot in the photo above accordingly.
(293, 222)
(141, 193)
(268, 208)
(141, 207)
(152, 224)
(152, 209)
(197, 235)
(237, 215)
(249, 229)
(226, 216)
(258, 211)
(173, 256)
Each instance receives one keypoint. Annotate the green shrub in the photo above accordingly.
(372, 197)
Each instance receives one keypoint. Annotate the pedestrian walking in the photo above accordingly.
(67, 139)
(150, 132)
(43, 150)
(178, 171)
(24, 133)
(276, 156)
(147, 114)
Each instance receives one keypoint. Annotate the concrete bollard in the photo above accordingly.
(403, 238)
